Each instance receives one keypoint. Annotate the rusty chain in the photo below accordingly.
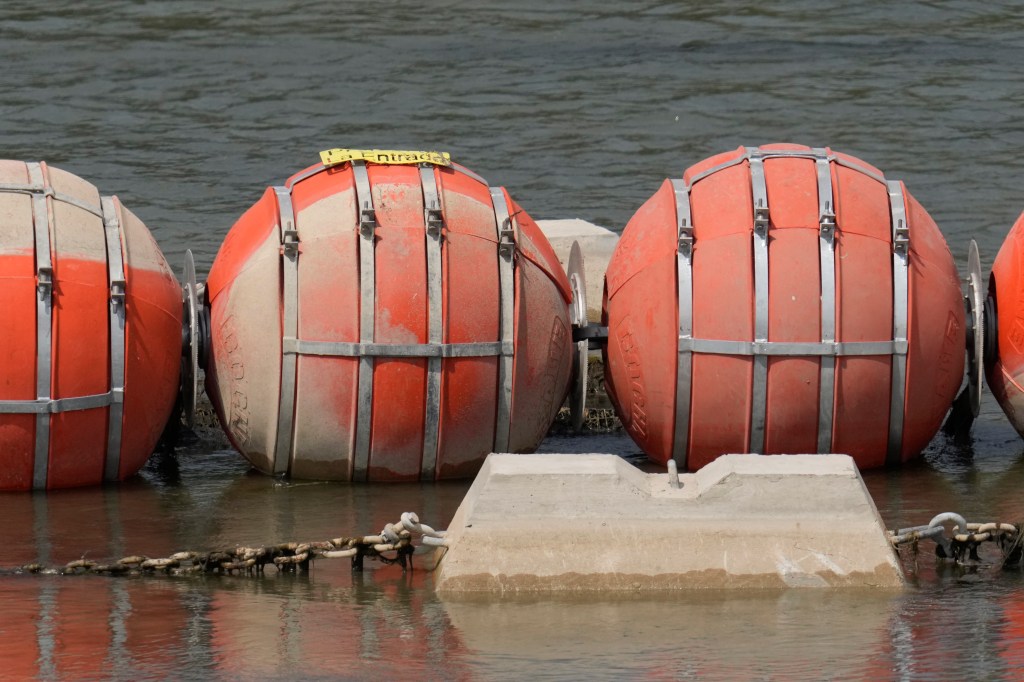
(287, 556)
(961, 541)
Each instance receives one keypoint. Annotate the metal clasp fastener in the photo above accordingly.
(685, 238)
(827, 224)
(901, 240)
(118, 290)
(761, 219)
(45, 282)
(434, 221)
(290, 245)
(506, 243)
(367, 221)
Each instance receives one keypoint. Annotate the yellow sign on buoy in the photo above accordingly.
(335, 157)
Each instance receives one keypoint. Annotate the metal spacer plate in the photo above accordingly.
(190, 373)
(581, 352)
(976, 351)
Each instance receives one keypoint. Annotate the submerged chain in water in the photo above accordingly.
(287, 556)
(961, 544)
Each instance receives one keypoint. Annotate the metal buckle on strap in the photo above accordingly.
(506, 238)
(290, 240)
(685, 238)
(367, 220)
(827, 223)
(118, 290)
(44, 285)
(761, 219)
(901, 238)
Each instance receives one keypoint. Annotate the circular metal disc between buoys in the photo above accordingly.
(190, 373)
(975, 353)
(578, 314)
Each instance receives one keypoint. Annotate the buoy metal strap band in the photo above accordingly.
(289, 236)
(433, 220)
(759, 390)
(827, 267)
(44, 322)
(900, 295)
(824, 349)
(684, 284)
(348, 349)
(117, 315)
(366, 218)
(47, 406)
(45, 191)
(506, 251)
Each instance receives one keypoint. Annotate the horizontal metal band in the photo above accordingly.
(58, 405)
(56, 196)
(812, 348)
(348, 349)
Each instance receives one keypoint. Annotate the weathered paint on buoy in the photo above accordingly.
(1004, 356)
(783, 300)
(386, 322)
(93, 340)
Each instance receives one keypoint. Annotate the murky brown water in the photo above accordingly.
(188, 110)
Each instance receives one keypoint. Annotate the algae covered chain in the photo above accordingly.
(386, 316)
(92, 333)
(783, 299)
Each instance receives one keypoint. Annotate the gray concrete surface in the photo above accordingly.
(557, 523)
(597, 244)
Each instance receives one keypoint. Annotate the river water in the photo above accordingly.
(188, 110)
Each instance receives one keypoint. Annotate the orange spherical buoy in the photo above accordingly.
(92, 345)
(782, 300)
(1004, 327)
(386, 316)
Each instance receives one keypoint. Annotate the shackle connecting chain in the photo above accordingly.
(960, 541)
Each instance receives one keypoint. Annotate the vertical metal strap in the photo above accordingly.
(827, 261)
(44, 310)
(506, 251)
(290, 271)
(759, 395)
(900, 292)
(684, 285)
(367, 224)
(433, 220)
(118, 309)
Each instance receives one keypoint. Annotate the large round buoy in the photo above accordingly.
(91, 345)
(1004, 327)
(386, 316)
(782, 300)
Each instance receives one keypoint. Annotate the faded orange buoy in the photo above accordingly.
(1004, 327)
(386, 316)
(92, 339)
(783, 300)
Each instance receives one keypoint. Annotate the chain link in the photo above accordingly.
(961, 540)
(287, 556)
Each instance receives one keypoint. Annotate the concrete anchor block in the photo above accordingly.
(597, 244)
(556, 523)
